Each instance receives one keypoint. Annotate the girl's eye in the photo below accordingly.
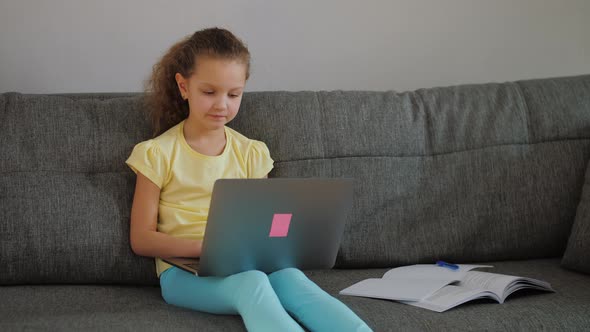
(234, 96)
(208, 92)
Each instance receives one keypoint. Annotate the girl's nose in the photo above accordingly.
(221, 103)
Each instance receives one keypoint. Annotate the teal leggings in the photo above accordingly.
(263, 301)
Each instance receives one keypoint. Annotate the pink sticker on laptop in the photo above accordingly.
(280, 225)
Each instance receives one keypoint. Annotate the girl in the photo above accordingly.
(194, 91)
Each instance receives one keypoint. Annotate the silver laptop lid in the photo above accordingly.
(271, 224)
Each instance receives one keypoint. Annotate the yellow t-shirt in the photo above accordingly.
(185, 177)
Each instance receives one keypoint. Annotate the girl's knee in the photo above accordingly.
(289, 273)
(253, 279)
(249, 288)
(252, 275)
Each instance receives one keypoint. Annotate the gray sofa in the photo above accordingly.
(473, 173)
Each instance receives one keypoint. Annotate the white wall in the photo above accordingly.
(52, 46)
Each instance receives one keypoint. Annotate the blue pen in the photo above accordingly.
(453, 267)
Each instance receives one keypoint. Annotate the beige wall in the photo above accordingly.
(51, 46)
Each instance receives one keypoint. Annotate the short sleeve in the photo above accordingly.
(259, 161)
(147, 159)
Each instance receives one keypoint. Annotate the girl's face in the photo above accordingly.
(214, 91)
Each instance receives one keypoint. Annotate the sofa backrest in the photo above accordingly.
(65, 191)
(466, 173)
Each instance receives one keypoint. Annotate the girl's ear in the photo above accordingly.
(181, 82)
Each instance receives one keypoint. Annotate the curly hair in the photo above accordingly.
(163, 100)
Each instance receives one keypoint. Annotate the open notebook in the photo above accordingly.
(439, 289)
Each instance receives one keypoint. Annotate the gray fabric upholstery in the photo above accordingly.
(577, 254)
(487, 204)
(486, 172)
(128, 308)
(473, 172)
(65, 190)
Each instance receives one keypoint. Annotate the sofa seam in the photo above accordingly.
(428, 135)
(321, 122)
(526, 110)
(337, 157)
(436, 154)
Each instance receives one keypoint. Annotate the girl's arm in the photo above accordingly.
(144, 237)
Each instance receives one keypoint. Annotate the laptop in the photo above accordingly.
(272, 224)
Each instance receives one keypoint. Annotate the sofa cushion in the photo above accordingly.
(65, 190)
(124, 308)
(504, 202)
(471, 172)
(577, 254)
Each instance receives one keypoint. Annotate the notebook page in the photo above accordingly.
(430, 272)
